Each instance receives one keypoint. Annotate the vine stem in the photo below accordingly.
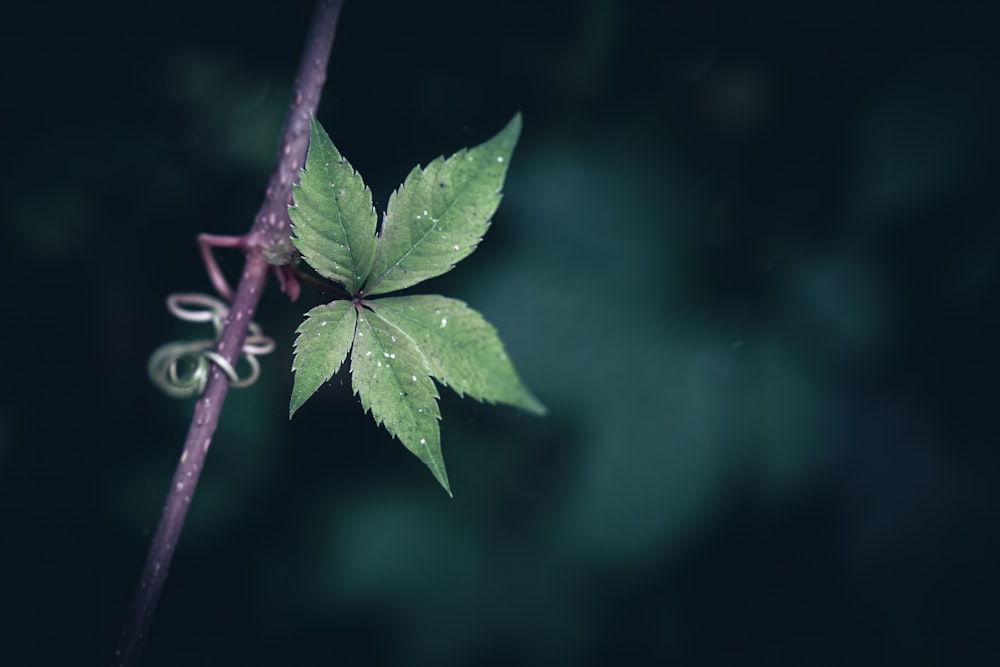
(267, 246)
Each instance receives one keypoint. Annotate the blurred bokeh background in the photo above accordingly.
(749, 256)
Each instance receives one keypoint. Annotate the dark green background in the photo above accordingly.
(748, 256)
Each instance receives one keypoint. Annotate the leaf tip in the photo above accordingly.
(436, 466)
(511, 132)
(516, 121)
(314, 123)
(536, 407)
(294, 404)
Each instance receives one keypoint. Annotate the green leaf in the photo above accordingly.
(390, 377)
(440, 213)
(333, 218)
(324, 339)
(461, 349)
(398, 344)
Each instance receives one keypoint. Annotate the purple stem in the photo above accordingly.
(268, 243)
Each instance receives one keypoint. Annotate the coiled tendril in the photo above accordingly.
(196, 357)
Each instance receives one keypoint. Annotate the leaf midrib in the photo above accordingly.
(381, 349)
(422, 238)
(347, 236)
(417, 323)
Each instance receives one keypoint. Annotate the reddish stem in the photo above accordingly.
(267, 245)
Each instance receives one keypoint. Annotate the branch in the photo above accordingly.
(271, 228)
(268, 244)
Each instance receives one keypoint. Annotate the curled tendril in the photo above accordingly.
(181, 369)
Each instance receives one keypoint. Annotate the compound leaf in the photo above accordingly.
(324, 339)
(440, 213)
(461, 349)
(398, 344)
(333, 219)
(391, 378)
